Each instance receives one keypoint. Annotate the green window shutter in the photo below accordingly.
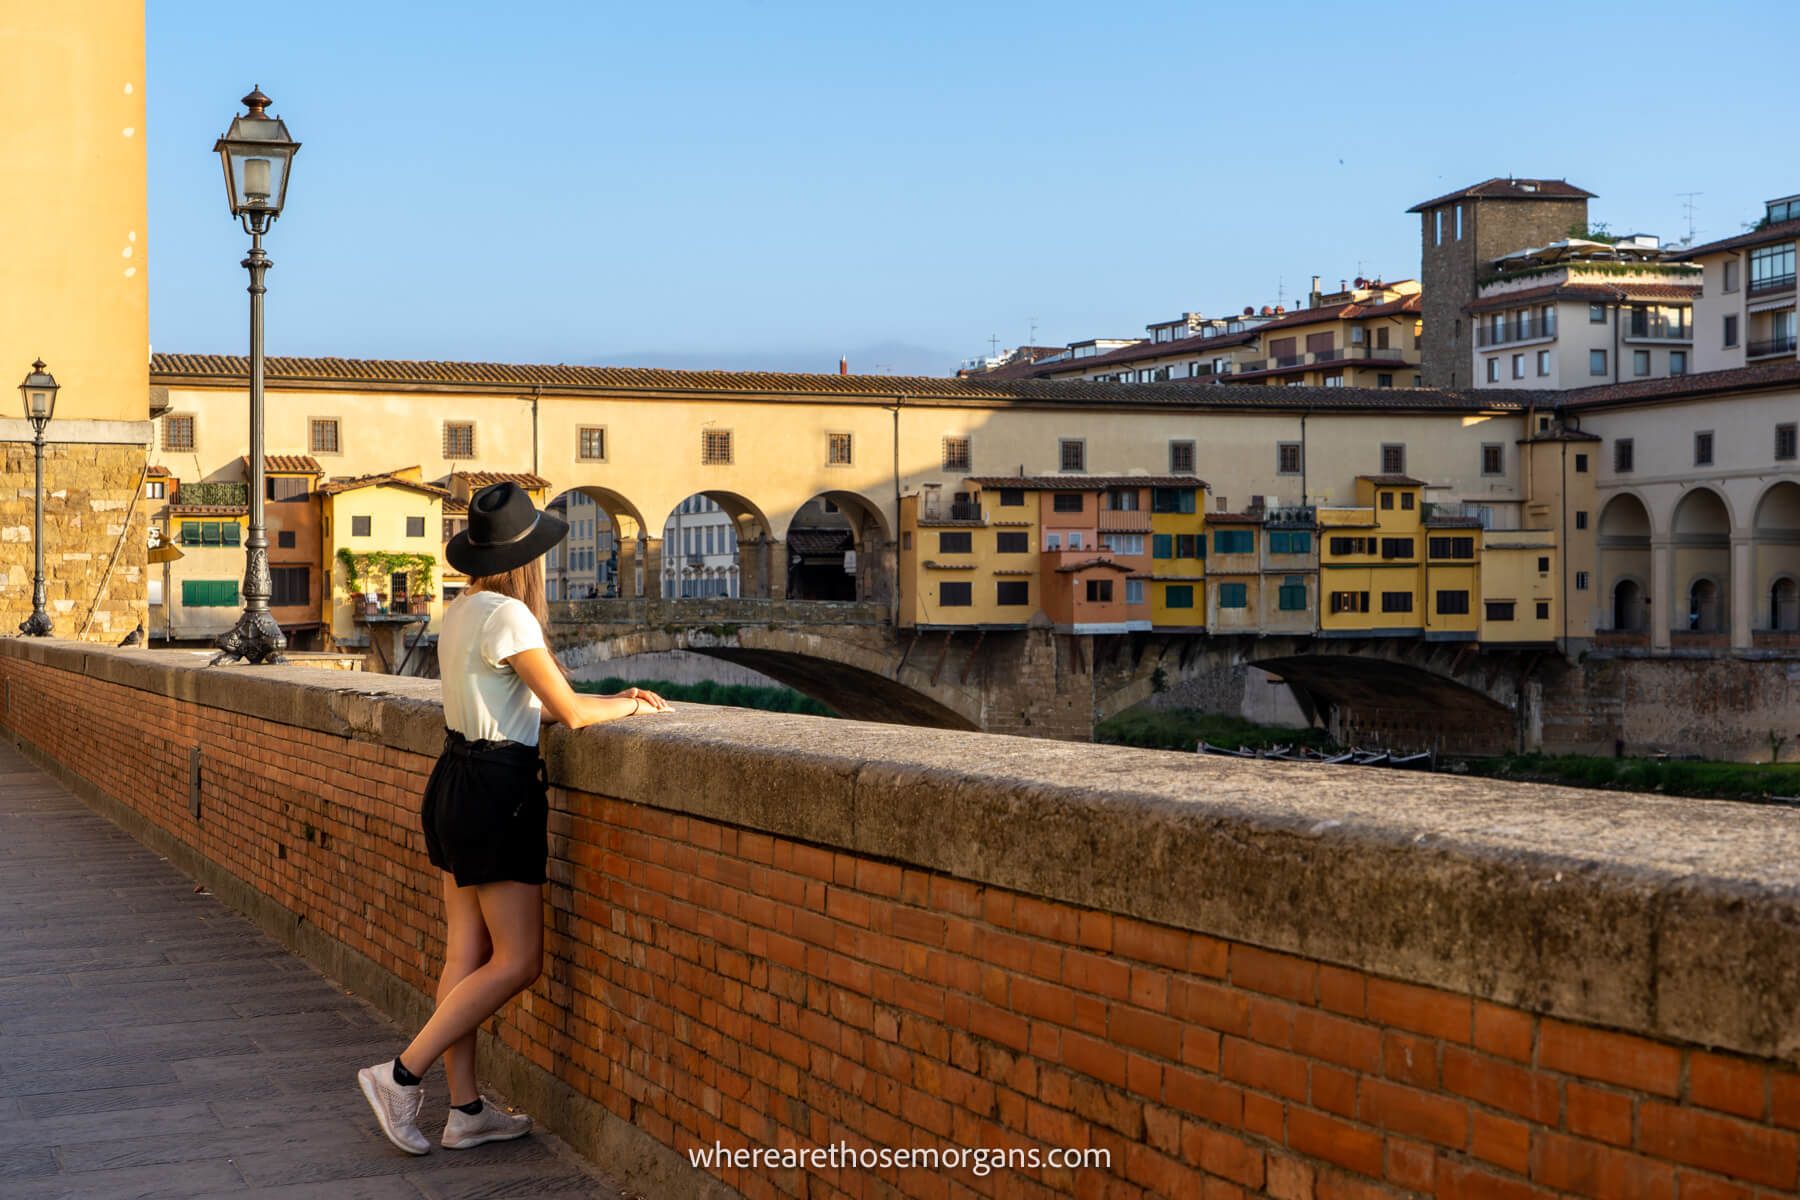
(1278, 542)
(209, 533)
(232, 531)
(1178, 595)
(1233, 595)
(1162, 545)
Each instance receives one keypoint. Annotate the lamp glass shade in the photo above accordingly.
(39, 393)
(257, 154)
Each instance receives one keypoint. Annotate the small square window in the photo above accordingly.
(415, 527)
(837, 450)
(1678, 362)
(956, 454)
(590, 443)
(284, 539)
(1181, 458)
(1072, 455)
(178, 432)
(1597, 314)
(715, 447)
(1287, 458)
(360, 526)
(1393, 459)
(1493, 458)
(459, 439)
(1543, 610)
(324, 435)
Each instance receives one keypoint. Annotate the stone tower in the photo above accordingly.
(1463, 231)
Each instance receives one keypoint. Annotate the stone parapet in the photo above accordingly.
(777, 930)
(95, 528)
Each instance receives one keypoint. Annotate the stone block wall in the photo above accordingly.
(1232, 980)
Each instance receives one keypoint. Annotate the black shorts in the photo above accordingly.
(486, 812)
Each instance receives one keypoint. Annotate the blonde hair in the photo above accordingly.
(524, 584)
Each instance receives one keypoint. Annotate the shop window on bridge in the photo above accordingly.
(1234, 541)
(1134, 591)
(1290, 541)
(1012, 497)
(1499, 610)
(1396, 602)
(1010, 593)
(209, 593)
(1122, 500)
(1012, 541)
(1348, 545)
(1452, 604)
(1172, 500)
(1396, 547)
(1452, 547)
(1162, 545)
(955, 595)
(1349, 602)
(1190, 545)
(1099, 591)
(955, 541)
(1292, 595)
(1178, 595)
(1066, 502)
(281, 488)
(1234, 595)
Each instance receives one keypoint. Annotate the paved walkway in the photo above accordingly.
(154, 1043)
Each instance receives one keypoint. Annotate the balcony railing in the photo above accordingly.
(1772, 283)
(1526, 330)
(1648, 328)
(1784, 344)
(1124, 520)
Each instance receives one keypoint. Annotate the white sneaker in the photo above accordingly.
(491, 1124)
(396, 1107)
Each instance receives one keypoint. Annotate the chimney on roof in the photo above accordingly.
(843, 365)
(1313, 297)
(1279, 310)
(1343, 285)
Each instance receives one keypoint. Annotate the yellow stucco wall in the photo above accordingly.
(387, 508)
(72, 203)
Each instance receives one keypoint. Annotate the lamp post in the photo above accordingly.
(256, 153)
(39, 392)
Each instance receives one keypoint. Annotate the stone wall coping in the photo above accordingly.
(1675, 918)
(80, 431)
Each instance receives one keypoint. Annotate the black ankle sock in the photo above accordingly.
(404, 1077)
(472, 1107)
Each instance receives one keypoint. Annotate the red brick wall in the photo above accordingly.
(712, 983)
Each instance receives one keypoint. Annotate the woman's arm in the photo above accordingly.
(567, 706)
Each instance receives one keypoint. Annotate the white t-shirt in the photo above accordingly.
(483, 698)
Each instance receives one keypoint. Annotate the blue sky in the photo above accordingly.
(768, 185)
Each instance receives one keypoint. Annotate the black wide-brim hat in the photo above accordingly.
(506, 530)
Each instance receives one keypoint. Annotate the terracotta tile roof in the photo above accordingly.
(287, 464)
(155, 470)
(455, 508)
(480, 479)
(208, 510)
(875, 389)
(1082, 483)
(819, 541)
(1780, 231)
(333, 487)
(1781, 373)
(1510, 189)
(1393, 480)
(1666, 293)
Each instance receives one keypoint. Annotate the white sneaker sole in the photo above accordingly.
(483, 1139)
(368, 1090)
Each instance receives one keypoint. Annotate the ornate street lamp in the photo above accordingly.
(39, 393)
(256, 153)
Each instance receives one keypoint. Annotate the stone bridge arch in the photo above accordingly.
(853, 668)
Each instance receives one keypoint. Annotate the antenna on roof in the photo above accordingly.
(994, 344)
(1032, 340)
(1688, 206)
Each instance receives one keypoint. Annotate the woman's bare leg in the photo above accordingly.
(514, 916)
(466, 947)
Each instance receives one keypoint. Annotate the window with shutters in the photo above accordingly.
(1234, 595)
(955, 541)
(286, 487)
(957, 594)
(209, 593)
(289, 586)
(1162, 545)
(1178, 595)
(1066, 502)
(1396, 547)
(1452, 604)
(1233, 541)
(1012, 541)
(715, 447)
(178, 431)
(1452, 547)
(1099, 591)
(1349, 602)
(459, 439)
(1396, 602)
(1012, 592)
(956, 454)
(1292, 595)
(1499, 610)
(1012, 497)
(1172, 500)
(590, 443)
(1347, 545)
